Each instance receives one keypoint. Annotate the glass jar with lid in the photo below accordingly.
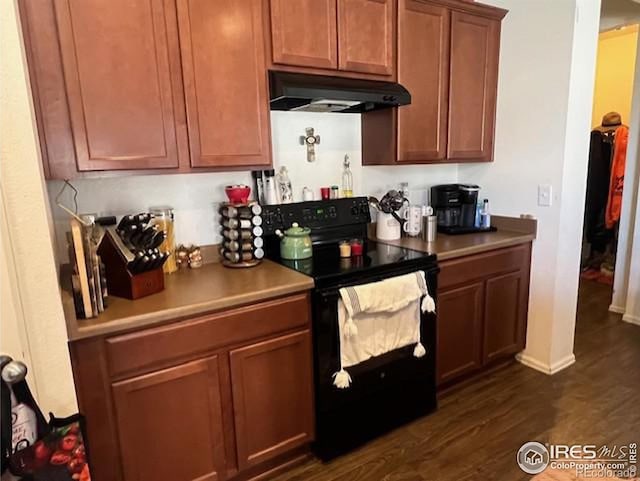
(164, 219)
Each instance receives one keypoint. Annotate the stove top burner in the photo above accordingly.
(326, 263)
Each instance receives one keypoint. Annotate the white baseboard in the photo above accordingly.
(544, 367)
(617, 309)
(631, 319)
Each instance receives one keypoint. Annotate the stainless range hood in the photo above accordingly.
(320, 93)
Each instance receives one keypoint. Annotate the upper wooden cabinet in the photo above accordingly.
(475, 45)
(448, 60)
(110, 80)
(422, 126)
(303, 33)
(334, 37)
(119, 83)
(367, 36)
(225, 82)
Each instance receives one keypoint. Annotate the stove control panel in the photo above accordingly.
(316, 214)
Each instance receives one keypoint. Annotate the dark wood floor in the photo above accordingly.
(478, 429)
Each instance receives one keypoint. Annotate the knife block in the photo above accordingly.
(121, 282)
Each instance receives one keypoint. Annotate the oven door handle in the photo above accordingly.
(325, 294)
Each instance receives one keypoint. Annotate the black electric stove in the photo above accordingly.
(388, 390)
(333, 221)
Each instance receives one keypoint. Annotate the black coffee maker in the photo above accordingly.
(455, 207)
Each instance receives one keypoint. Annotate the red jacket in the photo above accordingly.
(614, 204)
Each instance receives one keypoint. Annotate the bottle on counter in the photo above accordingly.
(259, 185)
(284, 186)
(347, 178)
(270, 189)
(485, 215)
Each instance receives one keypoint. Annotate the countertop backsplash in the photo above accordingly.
(195, 197)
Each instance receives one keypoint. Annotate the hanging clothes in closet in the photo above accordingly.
(605, 179)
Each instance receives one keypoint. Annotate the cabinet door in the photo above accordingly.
(505, 315)
(366, 36)
(459, 332)
(423, 68)
(475, 43)
(170, 423)
(119, 83)
(225, 82)
(304, 33)
(272, 397)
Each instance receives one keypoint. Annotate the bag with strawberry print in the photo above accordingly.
(61, 455)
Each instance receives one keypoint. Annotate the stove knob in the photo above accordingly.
(354, 210)
(364, 209)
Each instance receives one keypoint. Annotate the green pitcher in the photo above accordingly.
(295, 242)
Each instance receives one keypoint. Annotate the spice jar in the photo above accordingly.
(163, 218)
(356, 247)
(345, 249)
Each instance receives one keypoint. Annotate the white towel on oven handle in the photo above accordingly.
(388, 295)
(388, 313)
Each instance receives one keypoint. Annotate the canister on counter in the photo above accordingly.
(429, 228)
(163, 217)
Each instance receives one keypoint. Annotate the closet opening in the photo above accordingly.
(613, 105)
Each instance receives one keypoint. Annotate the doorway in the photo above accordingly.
(612, 116)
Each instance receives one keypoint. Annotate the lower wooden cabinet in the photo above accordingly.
(170, 423)
(482, 311)
(459, 351)
(177, 402)
(506, 299)
(272, 397)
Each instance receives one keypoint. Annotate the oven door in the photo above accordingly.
(386, 391)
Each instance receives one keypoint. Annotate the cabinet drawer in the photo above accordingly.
(160, 346)
(486, 264)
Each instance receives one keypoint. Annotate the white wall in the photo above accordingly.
(35, 293)
(627, 243)
(632, 309)
(545, 95)
(195, 197)
(13, 336)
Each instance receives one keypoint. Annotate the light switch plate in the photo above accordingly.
(545, 195)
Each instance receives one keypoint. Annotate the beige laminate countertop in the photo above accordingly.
(511, 231)
(189, 292)
(213, 287)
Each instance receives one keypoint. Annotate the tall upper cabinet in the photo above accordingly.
(225, 83)
(334, 37)
(164, 85)
(475, 44)
(448, 60)
(119, 83)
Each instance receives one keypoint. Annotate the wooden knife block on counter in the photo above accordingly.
(120, 282)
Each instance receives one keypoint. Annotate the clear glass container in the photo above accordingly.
(164, 219)
(347, 178)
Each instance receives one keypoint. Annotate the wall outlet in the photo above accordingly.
(545, 195)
